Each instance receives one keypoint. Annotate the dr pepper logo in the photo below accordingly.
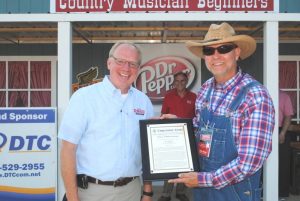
(156, 76)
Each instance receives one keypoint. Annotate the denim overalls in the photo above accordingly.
(223, 150)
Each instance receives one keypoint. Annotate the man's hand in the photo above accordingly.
(146, 198)
(190, 179)
(168, 116)
(148, 189)
(281, 137)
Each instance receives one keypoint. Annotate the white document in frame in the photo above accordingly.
(169, 148)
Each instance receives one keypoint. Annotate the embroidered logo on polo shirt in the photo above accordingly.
(139, 111)
(189, 102)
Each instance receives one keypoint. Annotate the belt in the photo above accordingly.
(119, 182)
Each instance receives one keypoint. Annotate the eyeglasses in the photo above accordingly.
(223, 49)
(180, 81)
(122, 62)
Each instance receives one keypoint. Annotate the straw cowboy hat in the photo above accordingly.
(223, 33)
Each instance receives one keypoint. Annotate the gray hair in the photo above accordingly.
(116, 45)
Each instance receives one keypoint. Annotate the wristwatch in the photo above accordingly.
(150, 194)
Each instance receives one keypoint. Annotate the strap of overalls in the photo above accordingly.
(207, 98)
(208, 95)
(237, 101)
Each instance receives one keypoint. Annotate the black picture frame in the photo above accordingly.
(149, 128)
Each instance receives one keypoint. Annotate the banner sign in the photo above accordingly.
(28, 154)
(162, 5)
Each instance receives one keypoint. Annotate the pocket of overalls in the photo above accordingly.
(217, 151)
(218, 146)
(243, 190)
(257, 194)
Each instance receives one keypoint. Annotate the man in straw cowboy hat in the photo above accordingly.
(234, 121)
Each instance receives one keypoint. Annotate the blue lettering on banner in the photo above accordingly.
(27, 116)
(3, 140)
(18, 143)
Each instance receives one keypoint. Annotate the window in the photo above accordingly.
(27, 82)
(289, 81)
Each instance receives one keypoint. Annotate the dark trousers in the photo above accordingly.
(284, 166)
(168, 188)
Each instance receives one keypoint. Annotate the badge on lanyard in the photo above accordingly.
(204, 144)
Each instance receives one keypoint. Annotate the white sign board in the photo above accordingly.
(28, 154)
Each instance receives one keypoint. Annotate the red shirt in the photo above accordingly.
(182, 107)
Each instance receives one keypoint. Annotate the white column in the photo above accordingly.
(64, 83)
(271, 53)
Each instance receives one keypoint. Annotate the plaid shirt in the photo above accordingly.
(252, 128)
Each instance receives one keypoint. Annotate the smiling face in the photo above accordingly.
(180, 82)
(121, 65)
(223, 66)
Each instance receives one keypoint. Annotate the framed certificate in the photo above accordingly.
(168, 148)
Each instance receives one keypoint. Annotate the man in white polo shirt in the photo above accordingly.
(100, 153)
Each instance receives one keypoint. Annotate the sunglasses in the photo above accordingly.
(223, 49)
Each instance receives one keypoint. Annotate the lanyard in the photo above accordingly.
(222, 99)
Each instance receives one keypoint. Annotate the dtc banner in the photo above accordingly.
(163, 5)
(28, 154)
